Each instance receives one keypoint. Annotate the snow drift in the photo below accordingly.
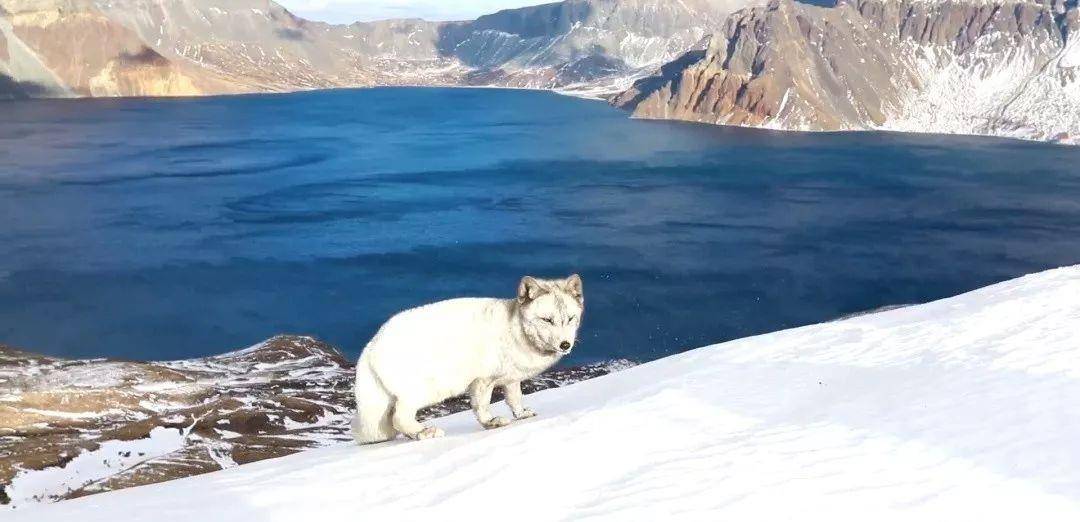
(961, 409)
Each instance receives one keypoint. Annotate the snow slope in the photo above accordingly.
(961, 409)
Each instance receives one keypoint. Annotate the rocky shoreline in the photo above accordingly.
(71, 428)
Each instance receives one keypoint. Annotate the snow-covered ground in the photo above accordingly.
(961, 409)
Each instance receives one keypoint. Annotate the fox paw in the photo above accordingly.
(430, 433)
(496, 422)
(524, 414)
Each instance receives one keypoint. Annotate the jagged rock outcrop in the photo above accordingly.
(183, 47)
(70, 428)
(997, 67)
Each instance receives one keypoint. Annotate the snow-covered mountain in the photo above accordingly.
(961, 409)
(180, 47)
(997, 67)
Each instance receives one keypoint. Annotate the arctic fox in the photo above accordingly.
(431, 353)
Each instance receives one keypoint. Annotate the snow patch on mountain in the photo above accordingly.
(1016, 92)
(31, 486)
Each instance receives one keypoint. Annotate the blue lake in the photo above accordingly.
(158, 229)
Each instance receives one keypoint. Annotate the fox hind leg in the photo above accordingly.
(371, 423)
(404, 420)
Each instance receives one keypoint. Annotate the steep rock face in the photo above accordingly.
(22, 74)
(72, 47)
(89, 47)
(580, 41)
(964, 66)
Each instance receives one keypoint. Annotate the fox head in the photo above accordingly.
(550, 312)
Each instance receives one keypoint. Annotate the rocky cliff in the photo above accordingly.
(186, 47)
(997, 67)
(70, 428)
(72, 48)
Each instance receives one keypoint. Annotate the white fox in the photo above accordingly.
(428, 354)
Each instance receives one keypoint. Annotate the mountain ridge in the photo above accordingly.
(985, 67)
(239, 46)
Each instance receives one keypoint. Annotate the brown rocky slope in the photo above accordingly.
(70, 428)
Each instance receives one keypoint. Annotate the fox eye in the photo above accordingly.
(547, 320)
(572, 317)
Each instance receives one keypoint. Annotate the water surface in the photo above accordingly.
(161, 229)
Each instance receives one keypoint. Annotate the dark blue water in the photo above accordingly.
(175, 228)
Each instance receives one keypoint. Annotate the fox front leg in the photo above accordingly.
(480, 398)
(514, 401)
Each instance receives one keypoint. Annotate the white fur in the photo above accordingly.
(425, 355)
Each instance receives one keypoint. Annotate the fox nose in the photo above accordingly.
(565, 346)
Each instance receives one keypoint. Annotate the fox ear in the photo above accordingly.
(573, 286)
(529, 289)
